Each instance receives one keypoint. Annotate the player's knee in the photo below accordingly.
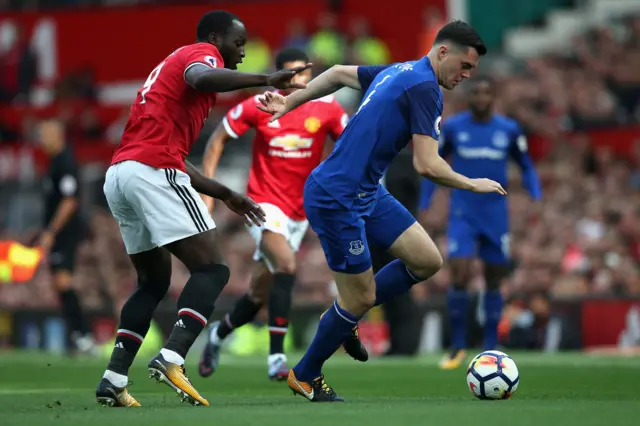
(216, 273)
(358, 303)
(427, 265)
(285, 266)
(258, 292)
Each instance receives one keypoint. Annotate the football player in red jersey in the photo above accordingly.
(284, 154)
(152, 193)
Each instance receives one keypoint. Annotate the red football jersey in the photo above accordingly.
(168, 114)
(287, 150)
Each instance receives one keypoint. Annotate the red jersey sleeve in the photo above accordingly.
(241, 118)
(338, 121)
(204, 54)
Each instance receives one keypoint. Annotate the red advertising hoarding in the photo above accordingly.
(125, 43)
(610, 323)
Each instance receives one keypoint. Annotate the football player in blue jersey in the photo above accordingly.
(480, 143)
(344, 201)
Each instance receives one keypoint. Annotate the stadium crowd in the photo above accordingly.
(583, 238)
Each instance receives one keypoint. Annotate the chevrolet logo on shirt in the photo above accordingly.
(291, 142)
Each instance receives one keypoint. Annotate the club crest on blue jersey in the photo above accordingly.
(500, 139)
(356, 247)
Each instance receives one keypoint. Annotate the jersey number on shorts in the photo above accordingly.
(366, 101)
(150, 80)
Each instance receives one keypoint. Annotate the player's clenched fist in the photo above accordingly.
(274, 104)
(282, 79)
(245, 206)
(486, 186)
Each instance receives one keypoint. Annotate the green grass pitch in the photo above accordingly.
(564, 389)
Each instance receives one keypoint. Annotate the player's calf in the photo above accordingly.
(195, 306)
(280, 295)
(356, 292)
(154, 273)
(458, 307)
(279, 257)
(492, 302)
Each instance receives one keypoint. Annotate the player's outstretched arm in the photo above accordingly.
(428, 162)
(238, 203)
(207, 79)
(335, 78)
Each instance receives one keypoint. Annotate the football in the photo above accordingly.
(492, 375)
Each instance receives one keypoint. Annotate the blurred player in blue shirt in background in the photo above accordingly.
(480, 143)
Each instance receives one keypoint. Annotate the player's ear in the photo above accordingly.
(213, 39)
(442, 51)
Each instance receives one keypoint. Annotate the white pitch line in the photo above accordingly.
(26, 391)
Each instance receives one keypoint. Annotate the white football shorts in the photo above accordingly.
(277, 221)
(154, 207)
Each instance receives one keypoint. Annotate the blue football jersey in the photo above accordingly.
(483, 150)
(399, 100)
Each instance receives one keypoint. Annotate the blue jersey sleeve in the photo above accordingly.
(518, 152)
(366, 74)
(425, 108)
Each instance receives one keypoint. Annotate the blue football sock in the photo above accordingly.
(334, 328)
(458, 304)
(392, 280)
(492, 314)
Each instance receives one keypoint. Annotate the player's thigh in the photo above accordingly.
(169, 207)
(343, 238)
(393, 228)
(135, 235)
(272, 240)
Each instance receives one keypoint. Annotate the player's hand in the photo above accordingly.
(245, 206)
(487, 185)
(274, 104)
(47, 238)
(282, 79)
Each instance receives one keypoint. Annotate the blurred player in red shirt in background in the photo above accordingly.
(284, 154)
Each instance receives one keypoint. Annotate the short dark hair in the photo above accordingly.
(216, 21)
(290, 54)
(462, 34)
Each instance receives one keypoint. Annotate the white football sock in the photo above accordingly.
(117, 380)
(171, 356)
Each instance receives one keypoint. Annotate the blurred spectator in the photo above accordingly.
(7, 135)
(327, 45)
(296, 34)
(17, 69)
(367, 49)
(258, 56)
(432, 21)
(116, 129)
